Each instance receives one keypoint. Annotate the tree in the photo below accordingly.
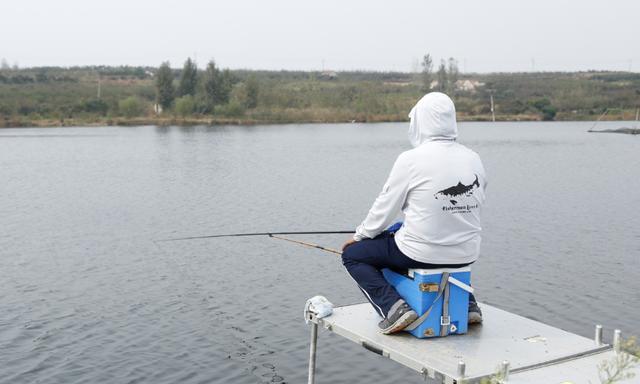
(188, 79)
(545, 107)
(442, 77)
(217, 85)
(41, 76)
(253, 89)
(226, 84)
(211, 83)
(427, 69)
(5, 64)
(164, 86)
(453, 74)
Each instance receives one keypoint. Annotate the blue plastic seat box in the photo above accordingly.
(419, 288)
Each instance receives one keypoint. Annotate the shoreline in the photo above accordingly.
(127, 96)
(214, 121)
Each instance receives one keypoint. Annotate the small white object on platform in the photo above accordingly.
(319, 306)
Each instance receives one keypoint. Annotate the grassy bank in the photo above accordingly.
(88, 96)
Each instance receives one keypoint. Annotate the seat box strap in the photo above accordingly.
(443, 285)
(445, 319)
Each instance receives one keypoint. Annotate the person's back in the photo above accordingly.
(439, 188)
(443, 203)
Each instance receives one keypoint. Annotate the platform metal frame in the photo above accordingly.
(515, 348)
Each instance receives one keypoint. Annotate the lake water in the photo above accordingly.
(86, 296)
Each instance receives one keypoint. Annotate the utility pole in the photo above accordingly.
(493, 111)
(99, 86)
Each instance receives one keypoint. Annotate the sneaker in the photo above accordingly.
(399, 317)
(475, 314)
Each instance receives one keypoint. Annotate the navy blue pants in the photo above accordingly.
(364, 261)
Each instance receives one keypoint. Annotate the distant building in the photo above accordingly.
(468, 85)
(462, 85)
(328, 75)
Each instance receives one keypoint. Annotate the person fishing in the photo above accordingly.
(439, 187)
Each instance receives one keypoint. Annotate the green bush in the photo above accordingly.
(97, 106)
(6, 110)
(549, 113)
(185, 105)
(232, 109)
(131, 107)
(544, 105)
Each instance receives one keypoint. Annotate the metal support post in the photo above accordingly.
(598, 337)
(617, 340)
(312, 353)
(505, 370)
(461, 368)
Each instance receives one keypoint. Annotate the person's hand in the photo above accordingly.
(348, 243)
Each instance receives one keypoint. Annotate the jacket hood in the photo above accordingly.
(433, 118)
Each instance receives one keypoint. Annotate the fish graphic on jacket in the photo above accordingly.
(458, 190)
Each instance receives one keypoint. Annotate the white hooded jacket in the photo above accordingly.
(438, 186)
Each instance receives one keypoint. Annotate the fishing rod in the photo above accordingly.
(307, 244)
(270, 234)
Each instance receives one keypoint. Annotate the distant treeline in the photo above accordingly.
(157, 95)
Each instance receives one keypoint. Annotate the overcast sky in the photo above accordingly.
(484, 35)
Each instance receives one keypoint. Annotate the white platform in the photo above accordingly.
(534, 350)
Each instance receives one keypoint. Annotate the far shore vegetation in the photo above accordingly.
(164, 95)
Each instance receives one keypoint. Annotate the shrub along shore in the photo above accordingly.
(99, 95)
